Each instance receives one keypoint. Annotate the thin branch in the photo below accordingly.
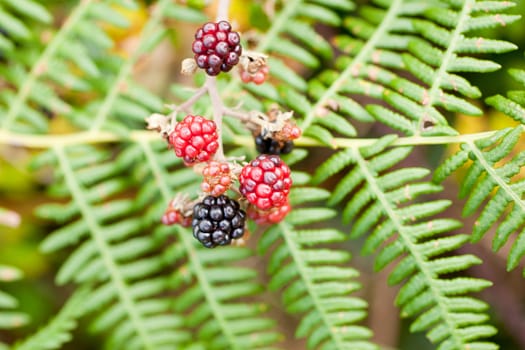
(48, 141)
(186, 105)
(223, 9)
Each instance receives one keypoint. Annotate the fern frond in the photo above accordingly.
(9, 318)
(72, 59)
(210, 283)
(111, 252)
(315, 281)
(490, 184)
(58, 330)
(34, 79)
(430, 41)
(384, 205)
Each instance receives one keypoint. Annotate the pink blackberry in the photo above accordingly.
(217, 178)
(270, 216)
(173, 216)
(266, 182)
(258, 77)
(216, 47)
(178, 212)
(194, 139)
(218, 221)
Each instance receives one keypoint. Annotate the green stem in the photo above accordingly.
(48, 141)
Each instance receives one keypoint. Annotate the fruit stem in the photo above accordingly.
(186, 105)
(222, 10)
(218, 112)
(242, 116)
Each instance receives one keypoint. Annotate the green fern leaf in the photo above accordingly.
(110, 254)
(381, 38)
(314, 281)
(58, 330)
(9, 318)
(383, 205)
(486, 175)
(210, 298)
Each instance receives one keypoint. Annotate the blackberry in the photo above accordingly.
(272, 146)
(266, 182)
(194, 139)
(216, 47)
(218, 220)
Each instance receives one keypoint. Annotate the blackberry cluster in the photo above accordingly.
(218, 220)
(272, 146)
(216, 47)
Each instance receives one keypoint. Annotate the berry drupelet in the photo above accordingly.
(266, 182)
(216, 47)
(217, 221)
(194, 139)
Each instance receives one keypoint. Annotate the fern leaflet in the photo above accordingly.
(210, 282)
(58, 331)
(382, 206)
(110, 252)
(314, 280)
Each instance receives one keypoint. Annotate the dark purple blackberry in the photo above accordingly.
(271, 146)
(217, 220)
(216, 47)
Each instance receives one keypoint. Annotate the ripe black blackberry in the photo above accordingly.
(216, 47)
(218, 220)
(270, 145)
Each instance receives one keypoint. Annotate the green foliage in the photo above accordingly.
(490, 184)
(384, 205)
(9, 317)
(395, 67)
(314, 280)
(210, 284)
(57, 332)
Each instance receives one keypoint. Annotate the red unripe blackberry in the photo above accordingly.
(173, 216)
(290, 131)
(216, 47)
(270, 216)
(266, 182)
(258, 77)
(194, 139)
(218, 220)
(217, 178)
